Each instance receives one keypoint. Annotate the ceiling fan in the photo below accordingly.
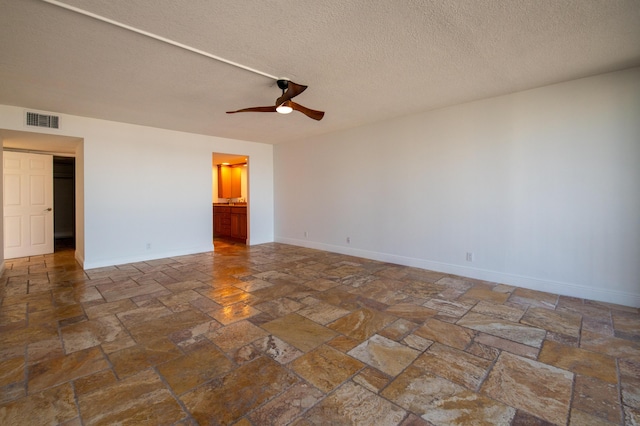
(284, 104)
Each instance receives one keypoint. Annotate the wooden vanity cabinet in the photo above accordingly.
(221, 221)
(239, 222)
(230, 222)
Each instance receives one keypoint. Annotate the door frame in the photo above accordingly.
(59, 146)
(219, 157)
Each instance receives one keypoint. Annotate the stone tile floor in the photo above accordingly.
(277, 334)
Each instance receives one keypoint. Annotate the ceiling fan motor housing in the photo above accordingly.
(283, 84)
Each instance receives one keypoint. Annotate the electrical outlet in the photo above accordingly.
(469, 256)
(306, 234)
(348, 240)
(148, 246)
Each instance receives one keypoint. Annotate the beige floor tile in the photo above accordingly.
(384, 354)
(631, 415)
(277, 349)
(507, 345)
(62, 369)
(423, 290)
(326, 368)
(322, 313)
(372, 379)
(279, 307)
(398, 329)
(485, 292)
(416, 342)
(413, 420)
(353, 404)
(630, 383)
(110, 308)
(150, 329)
(454, 365)
(236, 335)
(287, 406)
(469, 408)
(197, 367)
(11, 370)
(580, 418)
(238, 392)
(612, 346)
(138, 399)
(343, 343)
(106, 331)
(504, 312)
(232, 313)
(597, 398)
(450, 308)
(130, 289)
(626, 325)
(565, 323)
(137, 358)
(411, 312)
(52, 406)
(13, 314)
(534, 387)
(520, 333)
(416, 390)
(362, 324)
(483, 351)
(321, 284)
(93, 382)
(12, 392)
(528, 297)
(299, 331)
(579, 361)
(445, 333)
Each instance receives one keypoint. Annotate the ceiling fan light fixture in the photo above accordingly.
(285, 108)
(284, 104)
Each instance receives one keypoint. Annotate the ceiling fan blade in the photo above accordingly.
(293, 90)
(311, 113)
(255, 109)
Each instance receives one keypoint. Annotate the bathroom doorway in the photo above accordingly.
(230, 197)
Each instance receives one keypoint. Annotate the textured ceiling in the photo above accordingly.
(363, 60)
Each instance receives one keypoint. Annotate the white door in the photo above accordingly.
(28, 204)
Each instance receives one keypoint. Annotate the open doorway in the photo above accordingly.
(230, 198)
(67, 183)
(64, 203)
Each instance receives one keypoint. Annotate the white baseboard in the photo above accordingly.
(100, 263)
(556, 287)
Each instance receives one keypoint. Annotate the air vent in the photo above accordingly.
(42, 120)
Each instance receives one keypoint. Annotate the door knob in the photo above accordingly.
(49, 209)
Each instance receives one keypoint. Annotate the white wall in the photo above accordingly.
(143, 185)
(543, 187)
